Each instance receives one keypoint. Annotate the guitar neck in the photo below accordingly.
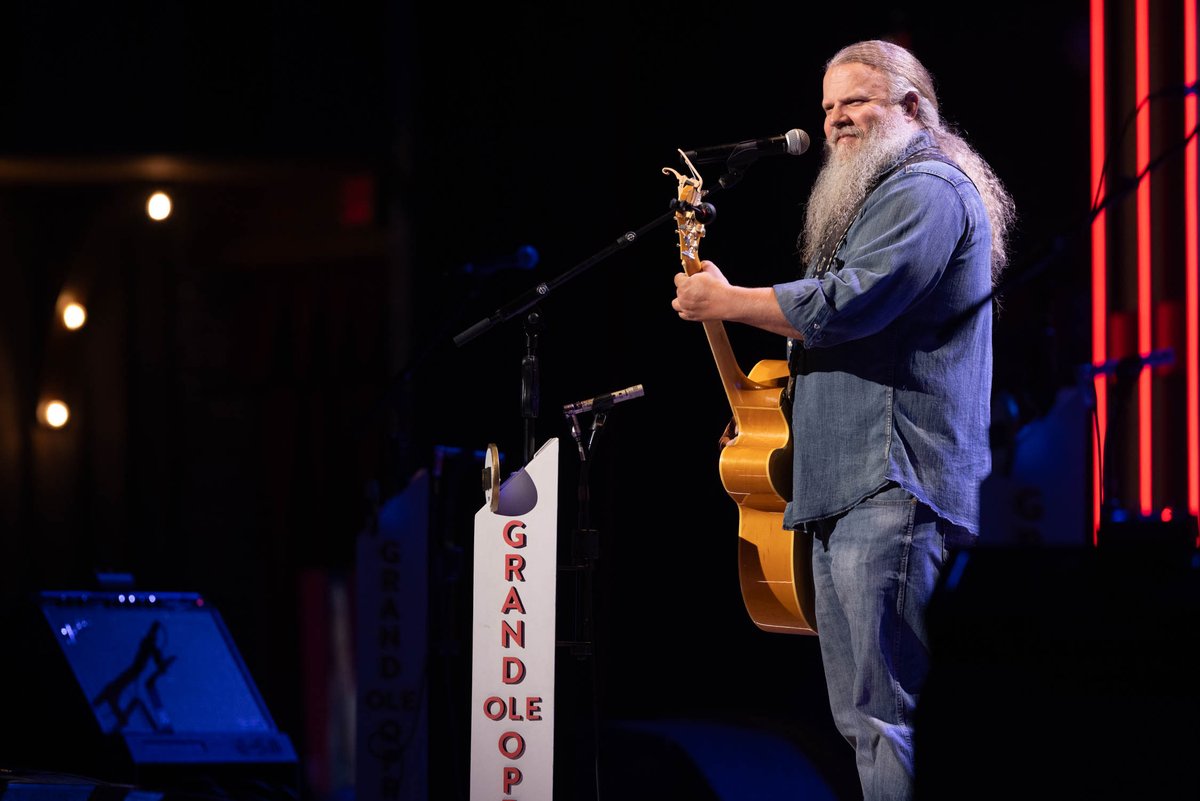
(737, 384)
(735, 381)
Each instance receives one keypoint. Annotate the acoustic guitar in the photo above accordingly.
(775, 564)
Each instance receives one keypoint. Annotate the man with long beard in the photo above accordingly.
(905, 233)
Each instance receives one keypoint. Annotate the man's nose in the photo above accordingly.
(838, 118)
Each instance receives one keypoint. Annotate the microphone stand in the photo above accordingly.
(1113, 509)
(530, 378)
(585, 553)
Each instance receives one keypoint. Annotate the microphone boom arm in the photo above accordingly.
(536, 294)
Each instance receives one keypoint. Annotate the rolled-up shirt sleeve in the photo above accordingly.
(893, 256)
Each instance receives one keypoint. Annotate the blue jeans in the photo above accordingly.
(875, 568)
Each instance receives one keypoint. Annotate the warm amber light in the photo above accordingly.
(74, 315)
(158, 206)
(53, 413)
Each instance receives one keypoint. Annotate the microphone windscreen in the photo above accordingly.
(797, 141)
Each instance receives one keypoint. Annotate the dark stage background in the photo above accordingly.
(281, 349)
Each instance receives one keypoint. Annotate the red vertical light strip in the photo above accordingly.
(1099, 254)
(1145, 338)
(1191, 185)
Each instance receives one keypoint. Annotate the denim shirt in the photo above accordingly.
(883, 392)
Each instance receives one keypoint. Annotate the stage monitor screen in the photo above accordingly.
(155, 663)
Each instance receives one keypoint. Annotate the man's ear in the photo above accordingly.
(910, 103)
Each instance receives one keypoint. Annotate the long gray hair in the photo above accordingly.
(906, 74)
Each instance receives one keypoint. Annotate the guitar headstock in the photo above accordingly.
(689, 195)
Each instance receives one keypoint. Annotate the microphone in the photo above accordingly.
(793, 143)
(1129, 366)
(525, 258)
(602, 402)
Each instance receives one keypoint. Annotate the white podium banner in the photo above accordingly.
(514, 636)
(391, 714)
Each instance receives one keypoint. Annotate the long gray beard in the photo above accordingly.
(844, 181)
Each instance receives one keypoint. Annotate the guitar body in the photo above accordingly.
(774, 563)
(755, 464)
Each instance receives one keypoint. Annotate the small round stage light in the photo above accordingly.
(158, 206)
(74, 315)
(53, 413)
